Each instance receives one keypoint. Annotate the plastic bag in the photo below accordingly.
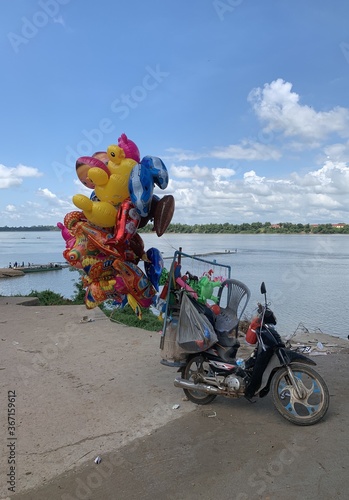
(195, 332)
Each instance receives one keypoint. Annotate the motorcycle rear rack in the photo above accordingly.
(172, 354)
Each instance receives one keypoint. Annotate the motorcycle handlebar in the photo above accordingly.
(265, 313)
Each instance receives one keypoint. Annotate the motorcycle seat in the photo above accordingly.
(228, 354)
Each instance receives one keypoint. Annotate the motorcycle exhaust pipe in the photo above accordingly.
(186, 384)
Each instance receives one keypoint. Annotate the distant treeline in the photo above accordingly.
(31, 228)
(226, 228)
(255, 228)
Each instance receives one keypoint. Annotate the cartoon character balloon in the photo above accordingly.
(102, 240)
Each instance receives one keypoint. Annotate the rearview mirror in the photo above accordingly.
(263, 289)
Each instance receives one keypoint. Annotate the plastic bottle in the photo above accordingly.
(240, 363)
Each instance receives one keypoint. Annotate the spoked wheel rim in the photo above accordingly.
(304, 406)
(195, 370)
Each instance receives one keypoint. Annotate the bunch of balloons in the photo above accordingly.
(102, 239)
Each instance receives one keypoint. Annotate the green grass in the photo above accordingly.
(126, 316)
(49, 298)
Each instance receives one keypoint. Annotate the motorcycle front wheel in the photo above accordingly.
(194, 370)
(305, 410)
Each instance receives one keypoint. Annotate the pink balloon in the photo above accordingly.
(129, 147)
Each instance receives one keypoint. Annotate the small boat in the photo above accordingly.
(37, 268)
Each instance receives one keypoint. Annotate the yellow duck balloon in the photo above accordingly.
(100, 213)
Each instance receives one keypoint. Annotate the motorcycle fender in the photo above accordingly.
(275, 363)
(272, 365)
(296, 356)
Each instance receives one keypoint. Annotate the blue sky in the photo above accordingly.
(246, 102)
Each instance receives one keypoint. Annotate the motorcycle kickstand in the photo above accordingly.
(250, 400)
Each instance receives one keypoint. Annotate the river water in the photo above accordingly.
(306, 275)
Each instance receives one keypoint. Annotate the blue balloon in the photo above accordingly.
(154, 268)
(157, 169)
(143, 176)
(141, 186)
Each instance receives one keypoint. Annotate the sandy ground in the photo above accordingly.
(96, 388)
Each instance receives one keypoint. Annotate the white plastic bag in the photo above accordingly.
(195, 332)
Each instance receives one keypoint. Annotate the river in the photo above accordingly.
(306, 275)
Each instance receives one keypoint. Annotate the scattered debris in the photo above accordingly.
(98, 460)
(304, 349)
(86, 319)
(175, 407)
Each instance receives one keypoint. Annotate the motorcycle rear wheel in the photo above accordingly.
(195, 367)
(307, 410)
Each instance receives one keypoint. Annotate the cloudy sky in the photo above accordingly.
(246, 102)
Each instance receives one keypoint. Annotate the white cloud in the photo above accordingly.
(177, 154)
(55, 204)
(194, 172)
(319, 195)
(223, 172)
(247, 150)
(11, 177)
(10, 208)
(46, 193)
(338, 151)
(281, 111)
(24, 171)
(81, 188)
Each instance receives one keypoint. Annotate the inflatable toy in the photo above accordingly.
(157, 169)
(85, 163)
(127, 222)
(101, 290)
(101, 213)
(129, 147)
(67, 236)
(154, 266)
(78, 251)
(205, 290)
(143, 176)
(117, 160)
(101, 155)
(112, 188)
(136, 283)
(164, 210)
(72, 218)
(182, 283)
(101, 237)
